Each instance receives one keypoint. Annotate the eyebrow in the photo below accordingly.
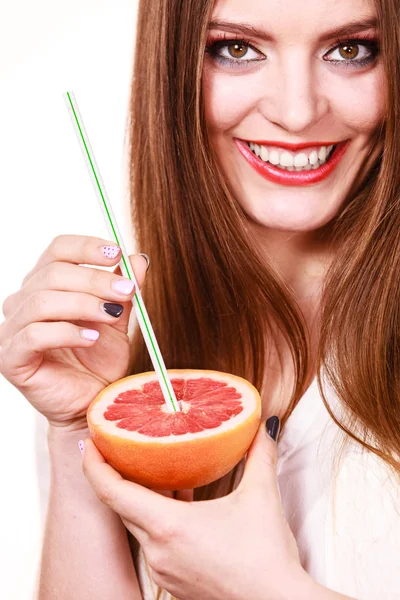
(249, 30)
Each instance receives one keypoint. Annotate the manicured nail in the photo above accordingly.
(273, 425)
(113, 309)
(90, 334)
(81, 446)
(147, 259)
(123, 286)
(110, 251)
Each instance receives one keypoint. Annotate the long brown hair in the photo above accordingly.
(212, 296)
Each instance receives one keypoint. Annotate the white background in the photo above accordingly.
(48, 48)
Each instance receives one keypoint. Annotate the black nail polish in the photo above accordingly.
(147, 259)
(273, 425)
(113, 309)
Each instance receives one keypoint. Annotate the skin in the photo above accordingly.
(294, 97)
(257, 553)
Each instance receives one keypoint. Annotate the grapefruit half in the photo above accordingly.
(133, 429)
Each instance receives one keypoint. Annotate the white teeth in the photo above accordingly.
(286, 160)
(274, 157)
(292, 161)
(264, 154)
(300, 160)
(322, 153)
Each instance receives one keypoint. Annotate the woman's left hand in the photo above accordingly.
(237, 547)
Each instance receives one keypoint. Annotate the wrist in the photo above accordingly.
(311, 590)
(302, 586)
(292, 583)
(63, 442)
(76, 425)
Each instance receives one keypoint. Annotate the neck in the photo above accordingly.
(301, 258)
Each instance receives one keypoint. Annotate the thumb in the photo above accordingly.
(185, 495)
(140, 265)
(262, 459)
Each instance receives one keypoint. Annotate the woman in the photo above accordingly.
(265, 186)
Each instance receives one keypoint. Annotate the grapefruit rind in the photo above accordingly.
(175, 462)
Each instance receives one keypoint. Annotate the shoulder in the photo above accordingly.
(363, 535)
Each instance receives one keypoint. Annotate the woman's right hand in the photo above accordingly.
(42, 351)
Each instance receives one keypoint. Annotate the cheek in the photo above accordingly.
(227, 99)
(361, 104)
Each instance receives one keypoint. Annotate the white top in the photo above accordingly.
(347, 521)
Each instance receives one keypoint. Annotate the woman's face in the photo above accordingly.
(282, 86)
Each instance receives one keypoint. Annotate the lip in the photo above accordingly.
(292, 147)
(292, 178)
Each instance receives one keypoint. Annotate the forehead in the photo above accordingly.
(294, 19)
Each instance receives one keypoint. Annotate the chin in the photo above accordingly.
(284, 217)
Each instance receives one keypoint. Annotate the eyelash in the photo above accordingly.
(371, 44)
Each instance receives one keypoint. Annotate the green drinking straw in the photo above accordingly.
(126, 269)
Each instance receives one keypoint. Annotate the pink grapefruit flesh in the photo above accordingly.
(132, 427)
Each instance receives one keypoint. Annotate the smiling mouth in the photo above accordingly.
(308, 159)
(292, 164)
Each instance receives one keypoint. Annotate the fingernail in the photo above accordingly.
(90, 334)
(273, 425)
(147, 258)
(113, 309)
(123, 286)
(110, 251)
(81, 446)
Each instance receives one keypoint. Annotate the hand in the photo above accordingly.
(237, 547)
(42, 351)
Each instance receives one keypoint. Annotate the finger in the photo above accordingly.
(141, 506)
(22, 355)
(166, 493)
(184, 495)
(63, 276)
(78, 249)
(261, 465)
(146, 258)
(141, 536)
(139, 266)
(49, 305)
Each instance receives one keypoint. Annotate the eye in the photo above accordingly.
(237, 50)
(233, 52)
(356, 52)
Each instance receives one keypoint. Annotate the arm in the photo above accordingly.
(85, 547)
(305, 588)
(325, 594)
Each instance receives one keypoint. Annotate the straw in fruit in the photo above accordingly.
(130, 425)
(126, 269)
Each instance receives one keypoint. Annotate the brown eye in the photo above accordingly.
(237, 50)
(354, 53)
(234, 53)
(349, 51)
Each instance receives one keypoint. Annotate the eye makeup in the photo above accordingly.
(215, 47)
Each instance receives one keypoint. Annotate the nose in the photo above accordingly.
(294, 97)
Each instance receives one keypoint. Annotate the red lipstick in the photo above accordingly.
(292, 147)
(292, 178)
